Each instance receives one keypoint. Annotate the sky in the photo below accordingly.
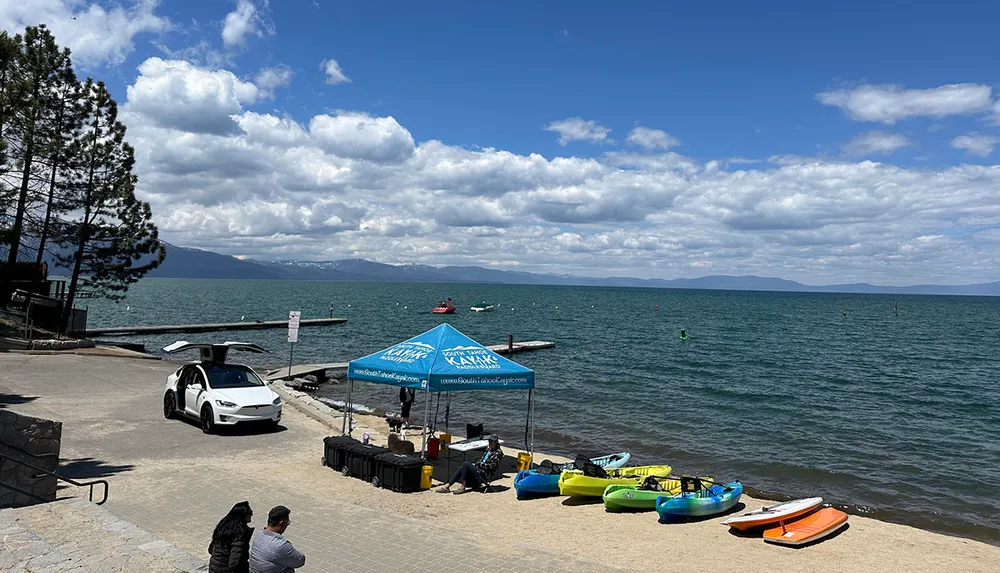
(820, 142)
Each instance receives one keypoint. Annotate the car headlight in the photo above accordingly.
(224, 404)
(277, 401)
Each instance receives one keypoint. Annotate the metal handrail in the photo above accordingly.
(89, 484)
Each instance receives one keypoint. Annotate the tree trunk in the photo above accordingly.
(84, 230)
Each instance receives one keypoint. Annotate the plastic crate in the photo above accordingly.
(360, 462)
(398, 472)
(335, 451)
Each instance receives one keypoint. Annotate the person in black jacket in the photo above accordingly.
(230, 546)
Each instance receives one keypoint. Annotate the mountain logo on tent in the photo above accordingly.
(460, 348)
(422, 345)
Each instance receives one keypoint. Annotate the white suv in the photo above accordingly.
(216, 393)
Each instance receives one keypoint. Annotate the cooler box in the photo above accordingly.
(401, 473)
(335, 451)
(360, 461)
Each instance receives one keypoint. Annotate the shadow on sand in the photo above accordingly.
(758, 533)
(90, 468)
(14, 399)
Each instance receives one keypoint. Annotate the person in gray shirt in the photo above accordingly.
(272, 553)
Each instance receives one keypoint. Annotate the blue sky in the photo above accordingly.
(824, 143)
(727, 78)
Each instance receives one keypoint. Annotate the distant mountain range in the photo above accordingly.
(183, 262)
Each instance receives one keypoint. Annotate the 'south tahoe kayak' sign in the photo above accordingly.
(471, 358)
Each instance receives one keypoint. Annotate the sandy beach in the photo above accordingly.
(110, 409)
(637, 541)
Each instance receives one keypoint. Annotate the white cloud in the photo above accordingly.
(876, 142)
(891, 103)
(652, 138)
(334, 75)
(272, 78)
(976, 144)
(578, 129)
(95, 34)
(246, 20)
(351, 184)
(175, 94)
(360, 136)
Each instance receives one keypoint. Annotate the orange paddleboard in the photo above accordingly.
(807, 529)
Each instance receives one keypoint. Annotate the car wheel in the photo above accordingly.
(345, 471)
(323, 461)
(207, 419)
(169, 405)
(376, 482)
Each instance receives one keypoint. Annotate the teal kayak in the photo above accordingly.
(534, 483)
(712, 501)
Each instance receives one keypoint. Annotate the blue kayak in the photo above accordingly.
(531, 483)
(711, 501)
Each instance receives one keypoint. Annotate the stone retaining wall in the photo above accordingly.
(22, 438)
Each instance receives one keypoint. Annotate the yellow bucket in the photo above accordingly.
(425, 477)
(445, 440)
(523, 461)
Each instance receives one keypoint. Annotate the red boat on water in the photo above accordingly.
(444, 307)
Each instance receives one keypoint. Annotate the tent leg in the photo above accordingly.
(350, 407)
(343, 425)
(531, 443)
(423, 431)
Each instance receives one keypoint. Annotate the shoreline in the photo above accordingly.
(375, 425)
(154, 463)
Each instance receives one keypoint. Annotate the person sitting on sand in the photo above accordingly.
(476, 475)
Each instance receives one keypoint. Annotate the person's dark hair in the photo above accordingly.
(277, 514)
(234, 524)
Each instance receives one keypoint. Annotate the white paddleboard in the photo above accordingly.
(774, 513)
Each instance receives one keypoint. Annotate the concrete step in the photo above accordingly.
(76, 536)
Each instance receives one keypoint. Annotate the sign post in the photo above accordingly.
(293, 336)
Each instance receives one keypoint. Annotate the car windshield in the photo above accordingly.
(232, 376)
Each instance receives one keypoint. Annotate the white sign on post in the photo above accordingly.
(293, 325)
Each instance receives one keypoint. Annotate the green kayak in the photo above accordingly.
(625, 497)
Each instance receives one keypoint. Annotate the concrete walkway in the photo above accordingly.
(175, 482)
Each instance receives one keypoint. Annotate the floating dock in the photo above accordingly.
(339, 369)
(259, 325)
(521, 346)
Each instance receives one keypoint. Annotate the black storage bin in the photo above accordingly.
(335, 451)
(398, 472)
(360, 461)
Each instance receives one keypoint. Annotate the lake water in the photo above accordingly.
(895, 415)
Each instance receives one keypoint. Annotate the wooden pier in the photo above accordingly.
(300, 370)
(258, 325)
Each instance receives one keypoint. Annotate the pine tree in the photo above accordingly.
(37, 68)
(10, 48)
(114, 241)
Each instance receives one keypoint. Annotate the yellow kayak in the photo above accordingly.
(574, 483)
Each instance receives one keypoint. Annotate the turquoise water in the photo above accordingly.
(894, 415)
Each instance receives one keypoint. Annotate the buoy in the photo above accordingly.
(657, 307)
(684, 334)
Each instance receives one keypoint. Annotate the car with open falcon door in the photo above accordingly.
(219, 393)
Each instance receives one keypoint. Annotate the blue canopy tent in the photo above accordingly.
(442, 360)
